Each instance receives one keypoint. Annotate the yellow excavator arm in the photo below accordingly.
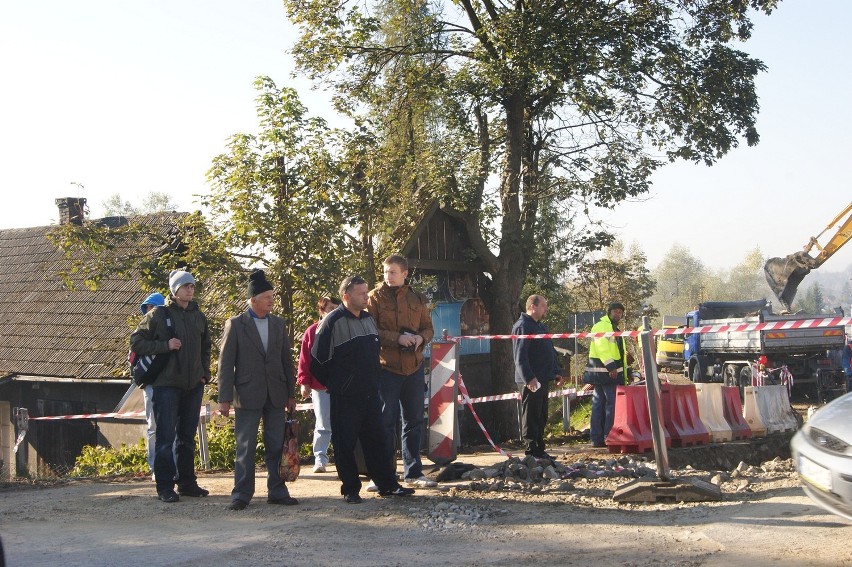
(785, 274)
(841, 237)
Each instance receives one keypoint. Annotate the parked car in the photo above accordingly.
(822, 454)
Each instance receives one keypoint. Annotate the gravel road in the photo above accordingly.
(763, 518)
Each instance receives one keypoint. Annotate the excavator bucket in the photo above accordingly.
(785, 274)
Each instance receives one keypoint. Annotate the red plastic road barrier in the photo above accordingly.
(680, 415)
(631, 431)
(733, 411)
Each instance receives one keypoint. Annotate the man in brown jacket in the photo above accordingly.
(405, 327)
(256, 374)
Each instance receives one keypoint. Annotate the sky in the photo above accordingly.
(99, 97)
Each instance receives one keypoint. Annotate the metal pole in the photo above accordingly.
(566, 413)
(202, 437)
(576, 352)
(652, 385)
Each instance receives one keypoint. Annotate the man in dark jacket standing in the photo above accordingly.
(345, 359)
(179, 388)
(535, 367)
(256, 374)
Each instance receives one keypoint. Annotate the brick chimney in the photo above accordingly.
(72, 210)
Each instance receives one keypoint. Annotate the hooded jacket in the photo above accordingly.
(188, 365)
(396, 309)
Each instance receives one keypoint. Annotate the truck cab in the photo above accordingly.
(670, 347)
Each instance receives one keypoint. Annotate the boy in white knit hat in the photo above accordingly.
(179, 388)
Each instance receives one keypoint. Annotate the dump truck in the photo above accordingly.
(733, 357)
(785, 274)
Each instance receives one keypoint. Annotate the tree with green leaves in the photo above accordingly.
(552, 99)
(812, 301)
(147, 248)
(154, 202)
(616, 275)
(275, 202)
(682, 281)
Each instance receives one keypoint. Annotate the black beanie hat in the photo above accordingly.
(258, 283)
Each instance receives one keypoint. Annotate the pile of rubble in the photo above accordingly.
(478, 503)
(448, 515)
(534, 475)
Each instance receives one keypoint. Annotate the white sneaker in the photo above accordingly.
(319, 468)
(372, 487)
(422, 482)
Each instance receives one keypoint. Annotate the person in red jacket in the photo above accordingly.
(316, 391)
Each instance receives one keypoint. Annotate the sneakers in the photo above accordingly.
(169, 496)
(194, 491)
(319, 468)
(352, 499)
(398, 491)
(237, 505)
(372, 487)
(422, 482)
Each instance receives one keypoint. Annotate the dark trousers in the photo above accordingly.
(603, 412)
(176, 412)
(403, 394)
(534, 417)
(246, 423)
(356, 419)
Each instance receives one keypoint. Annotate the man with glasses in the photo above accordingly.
(345, 359)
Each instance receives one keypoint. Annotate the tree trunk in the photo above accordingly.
(508, 278)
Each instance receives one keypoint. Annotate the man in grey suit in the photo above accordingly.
(256, 374)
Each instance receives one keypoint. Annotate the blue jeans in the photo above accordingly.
(151, 429)
(603, 412)
(405, 393)
(176, 412)
(322, 430)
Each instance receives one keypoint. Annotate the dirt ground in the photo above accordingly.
(764, 518)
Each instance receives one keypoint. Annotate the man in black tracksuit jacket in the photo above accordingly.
(345, 359)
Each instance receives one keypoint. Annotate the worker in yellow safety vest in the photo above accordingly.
(607, 369)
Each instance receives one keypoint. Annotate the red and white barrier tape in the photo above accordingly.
(299, 407)
(467, 400)
(770, 326)
(89, 416)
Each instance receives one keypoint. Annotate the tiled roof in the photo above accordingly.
(49, 330)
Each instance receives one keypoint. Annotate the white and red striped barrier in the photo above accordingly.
(89, 416)
(443, 382)
(770, 326)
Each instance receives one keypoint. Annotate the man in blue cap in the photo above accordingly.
(156, 299)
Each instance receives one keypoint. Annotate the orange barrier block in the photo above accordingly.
(733, 408)
(631, 430)
(680, 415)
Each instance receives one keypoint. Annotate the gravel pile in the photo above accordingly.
(447, 515)
(593, 480)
